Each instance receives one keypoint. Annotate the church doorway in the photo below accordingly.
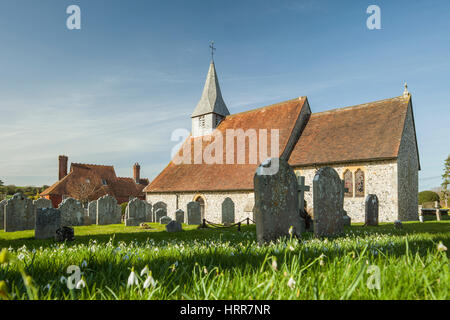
(201, 201)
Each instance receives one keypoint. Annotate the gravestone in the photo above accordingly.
(159, 213)
(135, 213)
(347, 221)
(159, 205)
(108, 212)
(165, 220)
(65, 234)
(148, 212)
(179, 216)
(227, 211)
(174, 226)
(48, 220)
(42, 203)
(327, 199)
(2, 214)
(276, 201)
(371, 211)
(72, 213)
(19, 214)
(92, 212)
(194, 215)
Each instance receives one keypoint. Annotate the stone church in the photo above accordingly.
(372, 146)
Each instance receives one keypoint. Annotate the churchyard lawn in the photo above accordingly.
(367, 263)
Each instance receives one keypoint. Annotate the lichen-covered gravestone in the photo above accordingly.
(42, 203)
(327, 195)
(159, 205)
(2, 214)
(20, 214)
(72, 213)
(174, 226)
(149, 211)
(227, 211)
(165, 220)
(135, 213)
(194, 215)
(107, 211)
(276, 201)
(179, 216)
(371, 214)
(159, 213)
(48, 220)
(92, 212)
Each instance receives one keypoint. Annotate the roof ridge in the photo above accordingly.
(357, 106)
(93, 165)
(266, 107)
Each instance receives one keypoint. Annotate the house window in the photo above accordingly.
(348, 183)
(104, 182)
(359, 183)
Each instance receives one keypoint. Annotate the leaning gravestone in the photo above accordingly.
(327, 195)
(107, 211)
(165, 220)
(20, 214)
(371, 215)
(179, 216)
(135, 213)
(42, 203)
(72, 213)
(276, 201)
(92, 212)
(148, 212)
(48, 220)
(2, 214)
(159, 213)
(194, 215)
(174, 226)
(227, 211)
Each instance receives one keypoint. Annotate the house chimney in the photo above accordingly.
(137, 172)
(62, 167)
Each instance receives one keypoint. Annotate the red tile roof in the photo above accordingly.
(215, 177)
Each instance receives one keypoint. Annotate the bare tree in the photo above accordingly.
(85, 191)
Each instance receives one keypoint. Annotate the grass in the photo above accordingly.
(227, 264)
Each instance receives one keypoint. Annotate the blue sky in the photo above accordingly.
(113, 92)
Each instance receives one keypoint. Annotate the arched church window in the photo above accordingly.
(348, 183)
(359, 183)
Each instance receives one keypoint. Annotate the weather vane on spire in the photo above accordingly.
(212, 49)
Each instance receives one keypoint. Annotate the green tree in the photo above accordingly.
(446, 180)
(428, 196)
(1, 183)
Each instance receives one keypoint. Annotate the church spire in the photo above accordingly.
(211, 100)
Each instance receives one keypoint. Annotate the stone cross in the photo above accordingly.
(301, 192)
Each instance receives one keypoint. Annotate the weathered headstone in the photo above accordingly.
(159, 205)
(165, 220)
(371, 211)
(65, 234)
(72, 213)
(20, 214)
(2, 214)
(159, 213)
(276, 201)
(179, 216)
(347, 221)
(135, 213)
(108, 212)
(228, 211)
(92, 212)
(48, 220)
(149, 211)
(194, 215)
(42, 203)
(174, 226)
(327, 199)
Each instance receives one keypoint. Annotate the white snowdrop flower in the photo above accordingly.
(132, 279)
(84, 263)
(291, 283)
(231, 253)
(441, 247)
(145, 271)
(291, 248)
(63, 279)
(149, 281)
(274, 265)
(81, 284)
(47, 286)
(156, 249)
(21, 256)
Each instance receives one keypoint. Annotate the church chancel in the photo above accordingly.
(372, 146)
